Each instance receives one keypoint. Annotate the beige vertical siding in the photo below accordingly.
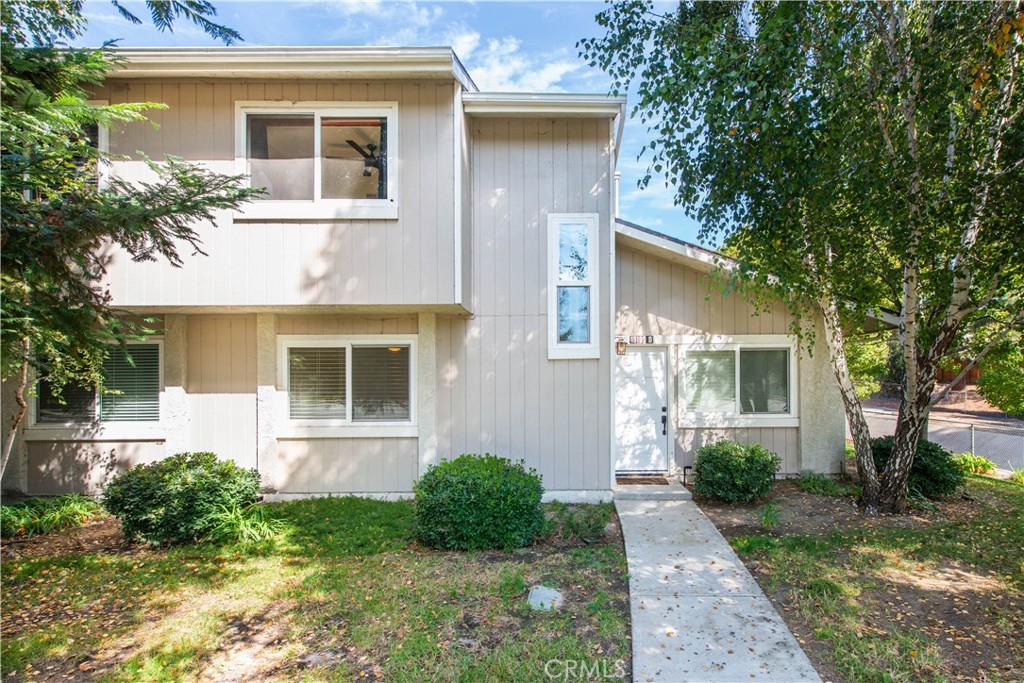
(341, 325)
(410, 260)
(345, 465)
(655, 296)
(56, 467)
(221, 385)
(497, 390)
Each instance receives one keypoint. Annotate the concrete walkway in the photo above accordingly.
(698, 614)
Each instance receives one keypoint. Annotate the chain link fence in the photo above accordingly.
(1002, 444)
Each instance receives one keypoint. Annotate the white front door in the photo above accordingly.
(641, 411)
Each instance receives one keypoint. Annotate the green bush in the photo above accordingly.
(178, 499)
(1017, 476)
(732, 472)
(47, 515)
(478, 501)
(970, 463)
(934, 474)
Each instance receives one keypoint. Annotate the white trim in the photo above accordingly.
(612, 311)
(288, 428)
(700, 259)
(103, 430)
(103, 145)
(737, 343)
(578, 496)
(458, 199)
(577, 105)
(292, 62)
(319, 208)
(564, 350)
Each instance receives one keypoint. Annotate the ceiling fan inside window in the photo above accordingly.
(371, 160)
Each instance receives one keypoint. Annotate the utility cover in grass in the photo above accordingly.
(544, 598)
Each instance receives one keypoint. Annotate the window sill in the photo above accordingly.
(573, 352)
(362, 431)
(737, 421)
(352, 209)
(126, 431)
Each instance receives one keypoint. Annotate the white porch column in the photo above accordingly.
(266, 390)
(174, 405)
(426, 389)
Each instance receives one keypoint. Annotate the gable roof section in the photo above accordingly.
(670, 248)
(294, 62)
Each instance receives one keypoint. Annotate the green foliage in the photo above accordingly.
(245, 524)
(820, 485)
(732, 472)
(770, 515)
(1017, 476)
(47, 515)
(478, 501)
(970, 463)
(182, 498)
(857, 157)
(934, 473)
(579, 522)
(867, 359)
(58, 223)
(1002, 378)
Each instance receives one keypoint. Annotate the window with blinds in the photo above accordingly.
(131, 391)
(764, 381)
(341, 381)
(317, 383)
(709, 382)
(131, 385)
(380, 384)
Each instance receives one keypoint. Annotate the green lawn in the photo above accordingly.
(941, 600)
(345, 595)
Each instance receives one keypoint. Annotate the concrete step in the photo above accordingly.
(651, 492)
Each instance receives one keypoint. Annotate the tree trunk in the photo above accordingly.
(870, 485)
(910, 427)
(19, 397)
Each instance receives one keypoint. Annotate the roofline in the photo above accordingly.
(517, 104)
(705, 259)
(699, 257)
(292, 62)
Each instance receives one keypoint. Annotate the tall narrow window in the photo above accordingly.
(572, 285)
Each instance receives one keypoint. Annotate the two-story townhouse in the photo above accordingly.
(434, 270)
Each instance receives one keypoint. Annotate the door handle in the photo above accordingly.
(664, 425)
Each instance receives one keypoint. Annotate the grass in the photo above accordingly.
(47, 515)
(846, 587)
(343, 585)
(821, 485)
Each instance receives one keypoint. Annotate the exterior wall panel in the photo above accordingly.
(320, 466)
(56, 467)
(497, 390)
(410, 260)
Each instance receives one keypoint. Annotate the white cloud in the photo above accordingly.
(464, 41)
(502, 65)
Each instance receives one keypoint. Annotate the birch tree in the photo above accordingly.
(860, 158)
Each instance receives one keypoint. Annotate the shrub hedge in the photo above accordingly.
(478, 501)
(934, 474)
(734, 473)
(179, 499)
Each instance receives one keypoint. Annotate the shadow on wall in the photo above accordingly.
(56, 467)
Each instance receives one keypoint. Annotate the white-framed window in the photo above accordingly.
(341, 382)
(573, 277)
(738, 381)
(132, 383)
(318, 159)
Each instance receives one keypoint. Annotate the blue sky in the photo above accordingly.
(506, 46)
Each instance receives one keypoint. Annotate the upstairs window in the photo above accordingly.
(131, 392)
(572, 286)
(318, 160)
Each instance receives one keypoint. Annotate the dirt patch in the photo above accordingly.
(630, 481)
(102, 536)
(802, 513)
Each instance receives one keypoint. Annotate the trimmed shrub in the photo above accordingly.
(934, 474)
(970, 463)
(478, 501)
(734, 473)
(47, 515)
(179, 499)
